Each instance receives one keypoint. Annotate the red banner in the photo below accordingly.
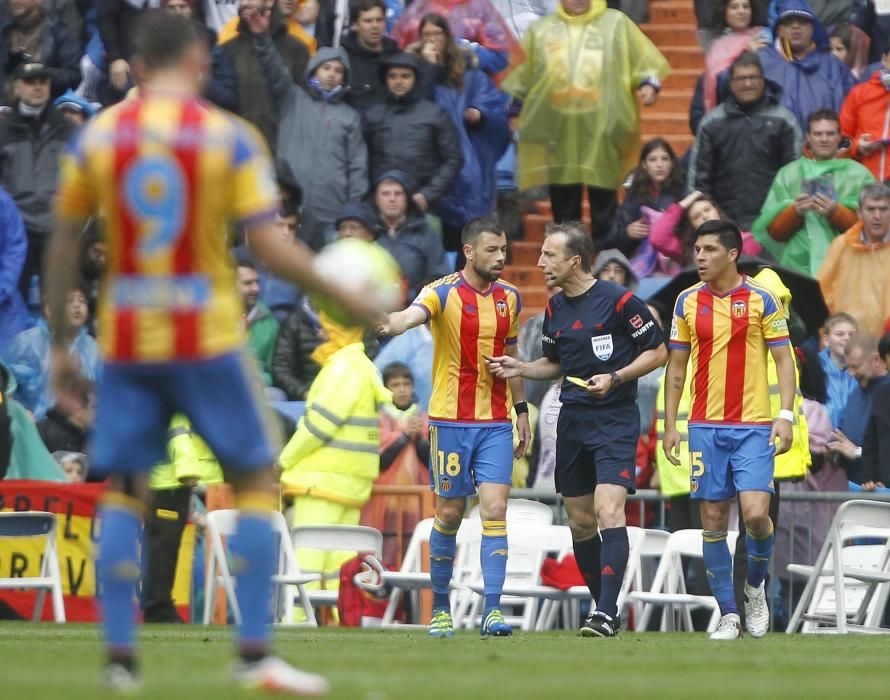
(77, 533)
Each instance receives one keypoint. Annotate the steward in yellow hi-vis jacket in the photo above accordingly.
(190, 462)
(331, 462)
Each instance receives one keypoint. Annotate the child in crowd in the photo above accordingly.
(838, 329)
(656, 183)
(404, 456)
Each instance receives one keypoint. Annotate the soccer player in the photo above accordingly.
(472, 315)
(169, 172)
(726, 323)
(602, 338)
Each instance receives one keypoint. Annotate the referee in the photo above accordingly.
(601, 338)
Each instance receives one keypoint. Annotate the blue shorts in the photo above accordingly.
(727, 461)
(596, 446)
(462, 456)
(222, 397)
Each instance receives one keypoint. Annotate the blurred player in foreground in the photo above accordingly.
(169, 172)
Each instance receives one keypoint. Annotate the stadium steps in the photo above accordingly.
(672, 28)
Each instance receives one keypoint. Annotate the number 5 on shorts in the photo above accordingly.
(698, 466)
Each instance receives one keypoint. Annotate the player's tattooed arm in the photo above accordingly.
(675, 379)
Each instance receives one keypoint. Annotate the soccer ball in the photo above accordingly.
(360, 266)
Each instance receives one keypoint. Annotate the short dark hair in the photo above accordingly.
(161, 38)
(244, 261)
(484, 224)
(578, 241)
(289, 208)
(356, 7)
(397, 370)
(729, 234)
(746, 58)
(819, 115)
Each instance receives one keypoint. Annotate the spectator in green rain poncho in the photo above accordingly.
(578, 81)
(812, 199)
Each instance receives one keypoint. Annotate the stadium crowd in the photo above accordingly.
(398, 124)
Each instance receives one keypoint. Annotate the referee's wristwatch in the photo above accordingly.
(616, 380)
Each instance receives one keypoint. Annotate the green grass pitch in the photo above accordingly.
(63, 662)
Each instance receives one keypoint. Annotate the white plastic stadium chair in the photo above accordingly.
(669, 586)
(37, 524)
(633, 577)
(528, 545)
(411, 577)
(329, 538)
(224, 523)
(855, 577)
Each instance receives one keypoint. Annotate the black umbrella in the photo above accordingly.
(806, 296)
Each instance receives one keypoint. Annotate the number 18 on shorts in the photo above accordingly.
(463, 456)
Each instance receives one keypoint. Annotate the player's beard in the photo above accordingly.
(488, 274)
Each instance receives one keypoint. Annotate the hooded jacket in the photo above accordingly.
(415, 246)
(738, 152)
(816, 81)
(413, 134)
(320, 137)
(867, 111)
(334, 455)
(580, 120)
(613, 255)
(236, 83)
(29, 356)
(854, 279)
(29, 164)
(365, 86)
(811, 234)
(13, 249)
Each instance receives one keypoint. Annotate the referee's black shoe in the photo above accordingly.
(598, 624)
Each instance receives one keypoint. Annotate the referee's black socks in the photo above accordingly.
(587, 556)
(613, 560)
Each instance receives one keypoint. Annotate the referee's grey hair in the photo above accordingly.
(875, 190)
(578, 241)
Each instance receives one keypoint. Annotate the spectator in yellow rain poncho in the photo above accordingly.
(582, 69)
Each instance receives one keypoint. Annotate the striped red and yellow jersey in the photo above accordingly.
(729, 336)
(468, 325)
(168, 173)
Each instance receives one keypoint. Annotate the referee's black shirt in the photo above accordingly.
(597, 332)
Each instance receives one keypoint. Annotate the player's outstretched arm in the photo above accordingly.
(675, 379)
(784, 358)
(506, 367)
(400, 321)
(292, 260)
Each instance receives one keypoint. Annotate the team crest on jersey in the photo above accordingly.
(739, 308)
(501, 308)
(445, 485)
(637, 321)
(602, 346)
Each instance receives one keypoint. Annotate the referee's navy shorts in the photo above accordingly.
(596, 446)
